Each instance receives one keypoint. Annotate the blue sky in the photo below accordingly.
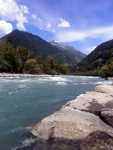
(83, 24)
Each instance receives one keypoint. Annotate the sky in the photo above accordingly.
(83, 24)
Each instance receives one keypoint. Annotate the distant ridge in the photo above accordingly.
(44, 48)
(70, 50)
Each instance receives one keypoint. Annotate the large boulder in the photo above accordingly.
(70, 124)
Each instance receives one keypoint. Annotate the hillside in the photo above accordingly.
(43, 48)
(69, 50)
(98, 62)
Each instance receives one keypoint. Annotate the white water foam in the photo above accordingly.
(105, 82)
(26, 142)
(61, 83)
(17, 129)
(98, 83)
(58, 78)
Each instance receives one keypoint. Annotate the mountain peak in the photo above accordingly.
(56, 43)
(16, 30)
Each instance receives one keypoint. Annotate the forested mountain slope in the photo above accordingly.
(69, 50)
(98, 62)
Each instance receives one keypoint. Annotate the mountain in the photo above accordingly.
(43, 48)
(69, 50)
(98, 62)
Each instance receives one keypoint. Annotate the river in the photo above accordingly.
(26, 100)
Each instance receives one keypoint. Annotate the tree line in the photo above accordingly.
(98, 69)
(22, 60)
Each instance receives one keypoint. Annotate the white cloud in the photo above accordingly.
(5, 28)
(48, 25)
(11, 11)
(90, 49)
(73, 35)
(24, 9)
(64, 23)
(69, 36)
(34, 16)
(20, 25)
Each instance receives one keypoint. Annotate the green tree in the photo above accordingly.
(52, 66)
(32, 67)
(107, 70)
(9, 39)
(22, 54)
(7, 57)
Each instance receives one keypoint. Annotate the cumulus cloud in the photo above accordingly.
(64, 24)
(73, 35)
(5, 28)
(11, 11)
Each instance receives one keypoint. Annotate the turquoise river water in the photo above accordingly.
(25, 101)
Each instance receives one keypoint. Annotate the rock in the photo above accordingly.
(105, 89)
(23, 75)
(93, 101)
(70, 124)
(108, 116)
(97, 141)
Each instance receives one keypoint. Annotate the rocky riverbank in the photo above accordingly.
(85, 123)
(21, 75)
